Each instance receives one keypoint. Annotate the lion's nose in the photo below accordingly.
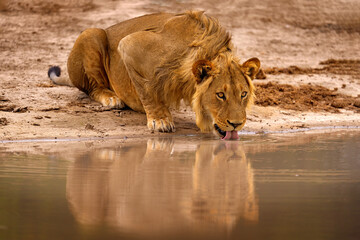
(235, 125)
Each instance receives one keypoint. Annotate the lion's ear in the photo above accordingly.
(202, 69)
(251, 67)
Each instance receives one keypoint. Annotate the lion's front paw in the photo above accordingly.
(161, 125)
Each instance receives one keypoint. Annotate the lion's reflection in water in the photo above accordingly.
(164, 186)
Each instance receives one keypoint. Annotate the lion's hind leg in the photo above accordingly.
(106, 97)
(87, 66)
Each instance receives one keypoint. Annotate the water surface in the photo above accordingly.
(304, 186)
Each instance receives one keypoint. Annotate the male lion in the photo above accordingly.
(151, 63)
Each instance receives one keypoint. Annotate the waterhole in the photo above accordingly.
(303, 186)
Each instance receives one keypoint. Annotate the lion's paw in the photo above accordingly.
(161, 125)
(112, 102)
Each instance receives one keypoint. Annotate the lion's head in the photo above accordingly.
(223, 92)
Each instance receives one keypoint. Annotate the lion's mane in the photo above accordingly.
(175, 81)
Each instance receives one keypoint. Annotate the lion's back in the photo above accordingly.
(147, 22)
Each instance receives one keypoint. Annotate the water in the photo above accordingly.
(304, 186)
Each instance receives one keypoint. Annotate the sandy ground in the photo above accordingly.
(310, 53)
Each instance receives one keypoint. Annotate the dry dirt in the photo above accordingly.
(310, 53)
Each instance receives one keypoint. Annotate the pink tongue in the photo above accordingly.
(231, 135)
(234, 135)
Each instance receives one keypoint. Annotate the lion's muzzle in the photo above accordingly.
(227, 135)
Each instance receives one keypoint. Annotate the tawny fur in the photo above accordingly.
(148, 64)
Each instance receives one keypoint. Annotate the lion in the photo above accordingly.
(152, 63)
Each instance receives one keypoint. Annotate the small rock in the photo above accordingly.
(357, 103)
(89, 127)
(3, 99)
(20, 109)
(285, 113)
(3, 121)
(339, 103)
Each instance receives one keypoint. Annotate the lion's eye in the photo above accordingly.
(243, 94)
(221, 95)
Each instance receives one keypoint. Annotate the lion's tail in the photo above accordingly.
(54, 74)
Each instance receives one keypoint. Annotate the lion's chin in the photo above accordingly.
(226, 135)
